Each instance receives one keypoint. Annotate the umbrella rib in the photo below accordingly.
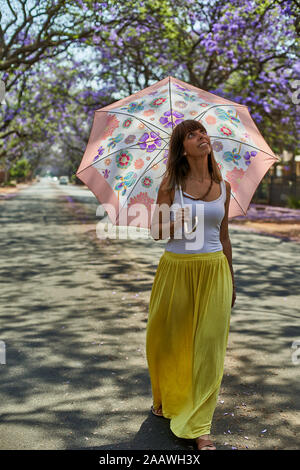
(139, 178)
(148, 124)
(148, 167)
(119, 150)
(170, 99)
(245, 213)
(245, 143)
(227, 138)
(218, 105)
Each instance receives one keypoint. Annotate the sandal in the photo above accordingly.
(157, 412)
(200, 443)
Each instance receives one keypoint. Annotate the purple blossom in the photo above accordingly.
(266, 107)
(296, 67)
(113, 36)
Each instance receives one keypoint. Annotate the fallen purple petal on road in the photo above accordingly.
(262, 212)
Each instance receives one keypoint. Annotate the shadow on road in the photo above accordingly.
(74, 310)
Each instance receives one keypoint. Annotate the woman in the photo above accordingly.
(193, 289)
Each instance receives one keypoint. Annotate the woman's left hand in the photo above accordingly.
(233, 297)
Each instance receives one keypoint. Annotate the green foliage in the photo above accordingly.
(118, 47)
(20, 170)
(293, 202)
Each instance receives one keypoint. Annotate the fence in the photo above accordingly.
(275, 190)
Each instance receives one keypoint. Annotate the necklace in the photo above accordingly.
(211, 181)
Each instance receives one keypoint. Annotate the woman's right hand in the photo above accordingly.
(182, 215)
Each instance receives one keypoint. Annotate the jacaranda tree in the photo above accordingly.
(62, 60)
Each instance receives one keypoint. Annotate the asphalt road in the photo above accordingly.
(74, 312)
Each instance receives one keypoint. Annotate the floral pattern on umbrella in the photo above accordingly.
(133, 134)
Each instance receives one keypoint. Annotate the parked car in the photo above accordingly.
(63, 180)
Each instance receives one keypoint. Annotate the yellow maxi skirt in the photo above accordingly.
(186, 337)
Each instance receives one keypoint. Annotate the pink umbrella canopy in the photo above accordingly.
(126, 155)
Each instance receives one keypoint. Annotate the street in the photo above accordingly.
(74, 312)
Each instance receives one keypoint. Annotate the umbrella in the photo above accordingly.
(126, 155)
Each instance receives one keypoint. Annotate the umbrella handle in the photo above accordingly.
(185, 223)
(186, 227)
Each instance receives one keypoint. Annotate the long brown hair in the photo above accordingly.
(177, 165)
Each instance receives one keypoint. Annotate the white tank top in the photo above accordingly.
(206, 237)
